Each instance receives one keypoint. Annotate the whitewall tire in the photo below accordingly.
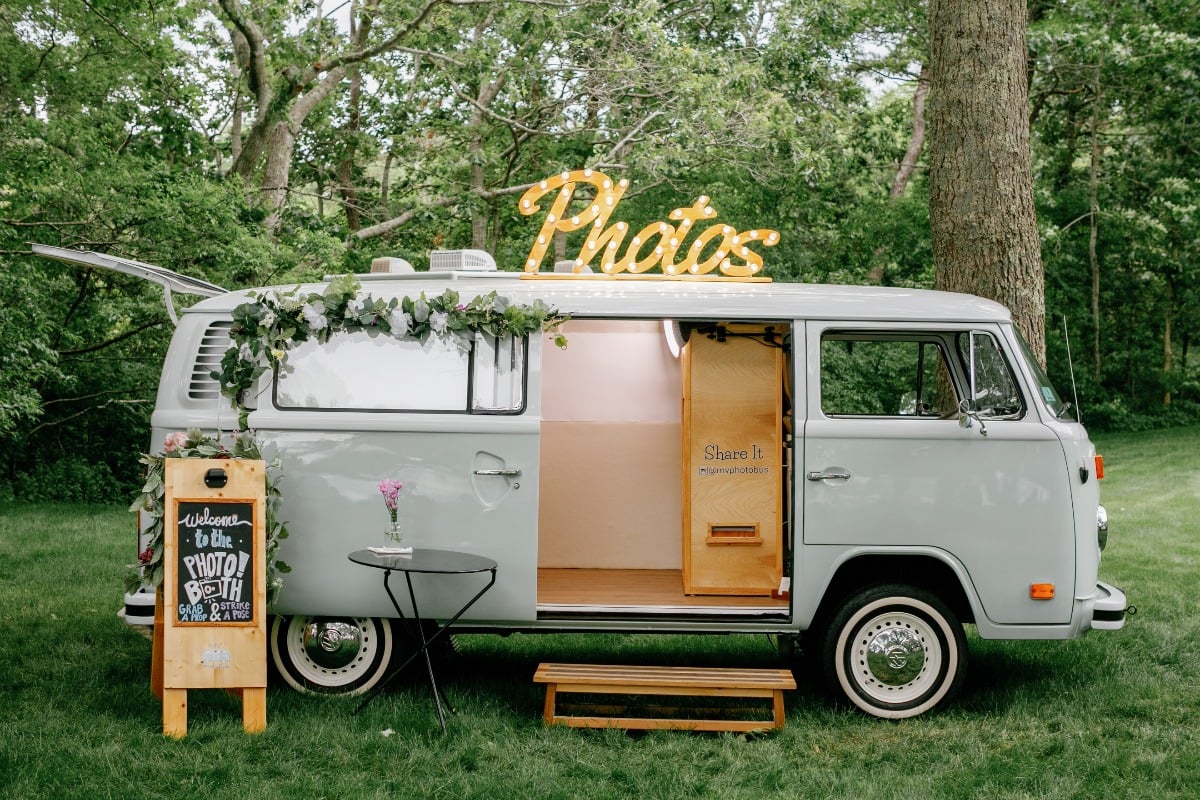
(331, 655)
(895, 651)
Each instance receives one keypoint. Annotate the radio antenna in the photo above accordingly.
(1071, 366)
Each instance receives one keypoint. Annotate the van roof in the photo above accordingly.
(645, 296)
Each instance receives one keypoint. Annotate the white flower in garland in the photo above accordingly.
(399, 322)
(420, 312)
(314, 315)
(438, 321)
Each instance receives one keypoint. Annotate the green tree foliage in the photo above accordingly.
(153, 131)
(1114, 99)
(102, 147)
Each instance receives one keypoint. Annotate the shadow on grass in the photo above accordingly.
(491, 675)
(1002, 675)
(498, 670)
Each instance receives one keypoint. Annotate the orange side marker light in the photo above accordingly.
(1099, 468)
(1041, 591)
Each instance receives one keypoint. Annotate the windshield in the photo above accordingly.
(1059, 407)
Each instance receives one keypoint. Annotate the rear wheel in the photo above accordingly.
(331, 655)
(895, 651)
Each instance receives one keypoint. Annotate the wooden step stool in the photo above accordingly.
(677, 681)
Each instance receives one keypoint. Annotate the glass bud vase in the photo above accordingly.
(393, 532)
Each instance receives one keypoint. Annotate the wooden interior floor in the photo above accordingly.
(634, 587)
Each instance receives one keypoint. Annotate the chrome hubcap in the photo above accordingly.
(895, 656)
(331, 643)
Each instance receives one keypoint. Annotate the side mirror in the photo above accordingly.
(968, 414)
(967, 418)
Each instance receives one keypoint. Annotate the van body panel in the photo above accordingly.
(1085, 495)
(996, 502)
(1079, 453)
(182, 400)
(999, 502)
(599, 446)
(333, 507)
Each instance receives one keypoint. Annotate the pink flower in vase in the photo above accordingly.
(390, 489)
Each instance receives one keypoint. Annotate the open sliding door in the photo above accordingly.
(733, 461)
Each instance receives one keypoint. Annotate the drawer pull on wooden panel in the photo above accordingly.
(733, 534)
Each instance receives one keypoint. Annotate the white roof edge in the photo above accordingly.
(679, 299)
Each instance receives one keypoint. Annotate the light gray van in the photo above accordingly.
(865, 470)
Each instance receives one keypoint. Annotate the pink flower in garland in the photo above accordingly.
(174, 441)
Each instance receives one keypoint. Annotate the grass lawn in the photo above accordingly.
(1112, 715)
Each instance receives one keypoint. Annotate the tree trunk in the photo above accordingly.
(560, 246)
(1168, 317)
(485, 94)
(984, 232)
(280, 144)
(475, 151)
(345, 171)
(235, 128)
(1093, 253)
(1094, 215)
(913, 154)
(239, 65)
(385, 183)
(301, 88)
(908, 164)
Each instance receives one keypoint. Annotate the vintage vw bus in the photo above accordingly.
(863, 469)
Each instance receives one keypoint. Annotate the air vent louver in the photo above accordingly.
(216, 341)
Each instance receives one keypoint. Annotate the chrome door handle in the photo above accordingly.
(828, 476)
(507, 473)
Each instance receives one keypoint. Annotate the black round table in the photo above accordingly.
(424, 561)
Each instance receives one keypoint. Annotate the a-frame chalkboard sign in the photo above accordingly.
(213, 621)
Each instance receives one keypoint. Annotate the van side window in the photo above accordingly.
(498, 382)
(866, 374)
(996, 392)
(369, 371)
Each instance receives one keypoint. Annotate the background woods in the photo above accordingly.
(269, 141)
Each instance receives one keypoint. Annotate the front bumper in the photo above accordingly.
(139, 607)
(1108, 612)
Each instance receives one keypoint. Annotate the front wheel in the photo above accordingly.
(331, 655)
(895, 651)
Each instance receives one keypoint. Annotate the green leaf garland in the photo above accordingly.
(263, 332)
(273, 322)
(151, 502)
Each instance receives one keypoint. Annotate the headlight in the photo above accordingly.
(1101, 526)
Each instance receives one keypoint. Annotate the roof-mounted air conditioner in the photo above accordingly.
(391, 265)
(461, 261)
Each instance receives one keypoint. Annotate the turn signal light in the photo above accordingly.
(1041, 591)
(1099, 467)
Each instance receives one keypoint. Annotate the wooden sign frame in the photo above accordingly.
(214, 592)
